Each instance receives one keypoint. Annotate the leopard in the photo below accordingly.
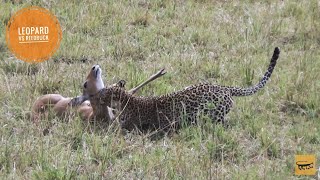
(171, 110)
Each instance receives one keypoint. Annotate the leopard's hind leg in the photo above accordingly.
(221, 109)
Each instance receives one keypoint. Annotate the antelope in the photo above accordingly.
(63, 106)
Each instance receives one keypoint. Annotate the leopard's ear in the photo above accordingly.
(121, 83)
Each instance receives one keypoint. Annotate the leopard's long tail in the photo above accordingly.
(236, 91)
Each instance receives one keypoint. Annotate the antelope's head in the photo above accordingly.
(91, 86)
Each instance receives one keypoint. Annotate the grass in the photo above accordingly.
(228, 43)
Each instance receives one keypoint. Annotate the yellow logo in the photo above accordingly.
(305, 165)
(33, 34)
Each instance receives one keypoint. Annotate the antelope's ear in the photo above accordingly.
(121, 83)
(77, 101)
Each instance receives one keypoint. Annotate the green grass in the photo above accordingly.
(196, 41)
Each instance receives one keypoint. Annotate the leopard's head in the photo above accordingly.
(113, 95)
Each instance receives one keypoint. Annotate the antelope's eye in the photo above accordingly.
(93, 68)
(85, 85)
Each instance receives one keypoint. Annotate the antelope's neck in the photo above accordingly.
(100, 84)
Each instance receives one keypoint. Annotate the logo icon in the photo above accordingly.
(305, 165)
(33, 34)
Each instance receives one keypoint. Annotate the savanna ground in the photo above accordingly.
(228, 43)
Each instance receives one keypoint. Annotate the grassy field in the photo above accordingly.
(228, 43)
